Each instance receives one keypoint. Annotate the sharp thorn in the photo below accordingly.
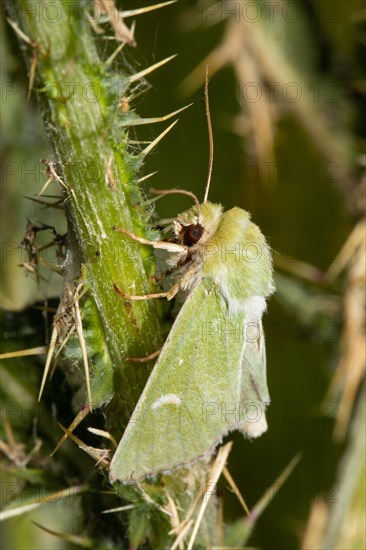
(51, 350)
(45, 186)
(80, 333)
(24, 352)
(140, 121)
(140, 11)
(150, 69)
(146, 177)
(57, 204)
(112, 57)
(78, 418)
(150, 147)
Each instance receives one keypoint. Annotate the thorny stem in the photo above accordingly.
(80, 99)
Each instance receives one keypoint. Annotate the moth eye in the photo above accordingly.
(192, 234)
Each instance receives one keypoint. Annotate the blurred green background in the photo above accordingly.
(287, 110)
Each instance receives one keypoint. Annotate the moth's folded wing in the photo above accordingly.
(254, 391)
(192, 397)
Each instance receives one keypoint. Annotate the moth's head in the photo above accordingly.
(197, 225)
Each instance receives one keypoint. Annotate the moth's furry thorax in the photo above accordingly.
(231, 251)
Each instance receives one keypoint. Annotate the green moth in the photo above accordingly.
(210, 377)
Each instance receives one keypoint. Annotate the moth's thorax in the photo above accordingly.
(233, 227)
(227, 248)
(238, 259)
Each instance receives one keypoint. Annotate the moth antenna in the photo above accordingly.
(162, 192)
(210, 137)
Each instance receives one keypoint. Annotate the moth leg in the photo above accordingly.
(152, 355)
(133, 298)
(164, 245)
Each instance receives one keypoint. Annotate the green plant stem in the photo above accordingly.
(79, 96)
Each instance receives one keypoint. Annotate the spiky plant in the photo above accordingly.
(87, 101)
(85, 105)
